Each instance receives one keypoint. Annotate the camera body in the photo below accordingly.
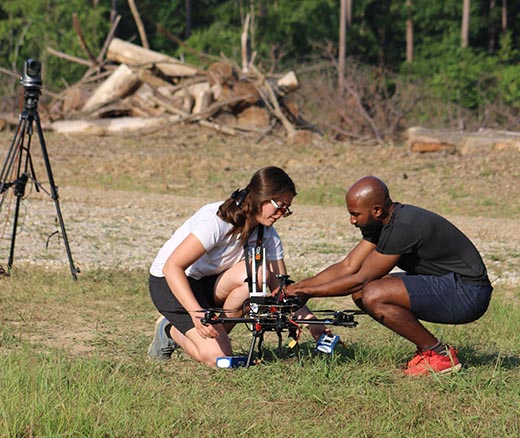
(31, 78)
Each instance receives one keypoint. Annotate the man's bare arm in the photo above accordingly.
(349, 265)
(375, 266)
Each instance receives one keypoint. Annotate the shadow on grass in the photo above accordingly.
(304, 352)
(472, 357)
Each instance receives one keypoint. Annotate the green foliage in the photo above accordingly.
(294, 26)
(219, 38)
(28, 27)
(465, 77)
(285, 34)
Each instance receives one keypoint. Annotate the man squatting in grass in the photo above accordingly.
(203, 266)
(444, 279)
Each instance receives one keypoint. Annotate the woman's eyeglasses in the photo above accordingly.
(284, 209)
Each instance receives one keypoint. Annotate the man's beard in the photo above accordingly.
(371, 226)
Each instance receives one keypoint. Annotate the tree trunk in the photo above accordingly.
(342, 48)
(409, 32)
(187, 33)
(492, 31)
(464, 34)
(504, 15)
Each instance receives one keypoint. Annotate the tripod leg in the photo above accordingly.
(13, 235)
(54, 193)
(14, 150)
(15, 155)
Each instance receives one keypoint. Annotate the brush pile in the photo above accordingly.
(139, 90)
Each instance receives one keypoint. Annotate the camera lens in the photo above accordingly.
(33, 67)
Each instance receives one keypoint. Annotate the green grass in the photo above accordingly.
(73, 364)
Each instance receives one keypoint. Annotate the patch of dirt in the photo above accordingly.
(170, 174)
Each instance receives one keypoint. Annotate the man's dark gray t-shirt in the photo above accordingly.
(429, 245)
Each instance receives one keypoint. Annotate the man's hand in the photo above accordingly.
(292, 291)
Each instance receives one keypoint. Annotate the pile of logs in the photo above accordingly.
(143, 90)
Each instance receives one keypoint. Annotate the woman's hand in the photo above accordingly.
(204, 331)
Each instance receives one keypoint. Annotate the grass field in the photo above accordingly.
(73, 353)
(102, 385)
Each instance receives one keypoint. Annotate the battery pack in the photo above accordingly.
(326, 343)
(231, 361)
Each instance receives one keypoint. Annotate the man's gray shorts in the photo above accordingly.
(445, 299)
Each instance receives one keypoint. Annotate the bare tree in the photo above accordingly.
(464, 34)
(349, 13)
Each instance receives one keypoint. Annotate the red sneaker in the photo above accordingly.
(427, 362)
(414, 360)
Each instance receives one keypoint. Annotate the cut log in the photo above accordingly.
(221, 73)
(73, 99)
(120, 83)
(288, 82)
(253, 118)
(200, 94)
(423, 140)
(128, 53)
(245, 94)
(431, 146)
(112, 126)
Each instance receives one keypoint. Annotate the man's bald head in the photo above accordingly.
(369, 191)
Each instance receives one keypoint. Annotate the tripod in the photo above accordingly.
(18, 167)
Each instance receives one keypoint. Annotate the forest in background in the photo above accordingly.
(450, 64)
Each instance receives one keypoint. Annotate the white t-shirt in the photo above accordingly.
(222, 250)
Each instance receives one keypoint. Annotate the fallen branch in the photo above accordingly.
(108, 39)
(139, 24)
(69, 57)
(274, 106)
(82, 42)
(245, 46)
(185, 117)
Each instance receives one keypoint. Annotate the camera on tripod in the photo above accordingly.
(18, 167)
(31, 78)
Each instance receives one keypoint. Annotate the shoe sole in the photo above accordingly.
(430, 371)
(453, 369)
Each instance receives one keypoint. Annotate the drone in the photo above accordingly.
(265, 312)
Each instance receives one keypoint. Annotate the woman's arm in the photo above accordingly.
(187, 253)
